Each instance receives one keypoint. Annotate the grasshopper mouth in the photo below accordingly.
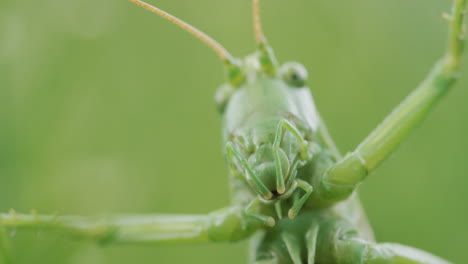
(276, 194)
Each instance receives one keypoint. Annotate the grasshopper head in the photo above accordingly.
(256, 72)
(261, 122)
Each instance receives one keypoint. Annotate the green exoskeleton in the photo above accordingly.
(292, 191)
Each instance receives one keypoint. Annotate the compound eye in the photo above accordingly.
(294, 74)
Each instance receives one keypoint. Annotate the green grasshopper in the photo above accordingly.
(292, 191)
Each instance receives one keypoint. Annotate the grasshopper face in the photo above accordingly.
(263, 126)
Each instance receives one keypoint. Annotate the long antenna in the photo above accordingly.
(266, 57)
(213, 44)
(259, 37)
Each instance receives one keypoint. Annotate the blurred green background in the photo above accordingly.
(106, 108)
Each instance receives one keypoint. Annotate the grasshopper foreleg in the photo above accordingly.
(251, 178)
(251, 211)
(294, 211)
